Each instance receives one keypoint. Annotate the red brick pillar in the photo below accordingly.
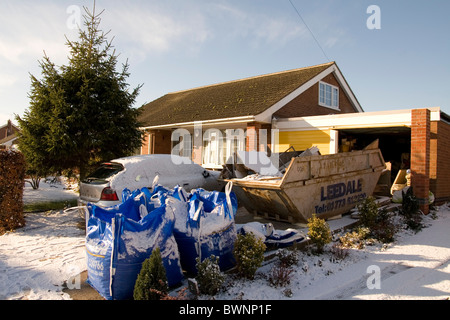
(420, 156)
(145, 148)
(252, 136)
(255, 140)
(197, 142)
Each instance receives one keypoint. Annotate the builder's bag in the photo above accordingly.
(206, 228)
(117, 245)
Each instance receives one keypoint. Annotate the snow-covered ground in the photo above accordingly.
(36, 260)
(415, 266)
(60, 190)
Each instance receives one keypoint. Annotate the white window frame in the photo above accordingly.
(220, 145)
(333, 102)
(212, 147)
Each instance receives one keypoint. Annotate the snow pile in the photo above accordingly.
(141, 170)
(37, 259)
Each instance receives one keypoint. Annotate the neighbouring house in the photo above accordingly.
(204, 117)
(8, 135)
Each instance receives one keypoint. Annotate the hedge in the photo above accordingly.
(12, 179)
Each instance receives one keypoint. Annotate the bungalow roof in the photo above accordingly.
(239, 98)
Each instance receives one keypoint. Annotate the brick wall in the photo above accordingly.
(157, 142)
(307, 104)
(440, 161)
(420, 156)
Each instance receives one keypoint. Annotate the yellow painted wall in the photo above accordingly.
(302, 140)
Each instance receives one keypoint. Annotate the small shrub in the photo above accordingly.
(319, 233)
(383, 230)
(249, 254)
(209, 277)
(355, 239)
(410, 204)
(410, 211)
(151, 283)
(368, 211)
(339, 252)
(181, 295)
(377, 220)
(280, 275)
(287, 257)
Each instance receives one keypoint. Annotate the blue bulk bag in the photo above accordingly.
(207, 228)
(99, 244)
(117, 244)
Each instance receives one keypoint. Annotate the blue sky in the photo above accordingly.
(181, 44)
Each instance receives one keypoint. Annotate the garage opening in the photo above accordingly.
(394, 143)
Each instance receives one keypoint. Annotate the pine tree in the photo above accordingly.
(151, 283)
(81, 113)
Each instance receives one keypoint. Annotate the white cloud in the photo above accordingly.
(29, 28)
(152, 29)
(156, 28)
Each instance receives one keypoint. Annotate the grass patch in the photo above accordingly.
(49, 205)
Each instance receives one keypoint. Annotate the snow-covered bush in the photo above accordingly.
(280, 275)
(287, 257)
(209, 278)
(338, 252)
(249, 254)
(319, 232)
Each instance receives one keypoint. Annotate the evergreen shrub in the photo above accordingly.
(151, 283)
(319, 232)
(209, 277)
(249, 254)
(12, 179)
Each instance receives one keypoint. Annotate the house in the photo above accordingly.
(200, 121)
(8, 135)
(298, 109)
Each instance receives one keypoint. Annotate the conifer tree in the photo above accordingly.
(151, 283)
(81, 113)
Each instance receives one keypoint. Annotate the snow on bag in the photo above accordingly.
(121, 237)
(204, 226)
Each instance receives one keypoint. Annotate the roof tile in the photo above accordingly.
(245, 97)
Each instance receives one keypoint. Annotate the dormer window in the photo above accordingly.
(328, 95)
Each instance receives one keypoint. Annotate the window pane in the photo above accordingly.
(328, 95)
(335, 97)
(322, 93)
